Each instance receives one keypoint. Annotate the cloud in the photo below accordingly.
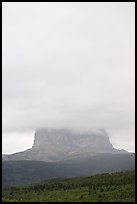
(69, 65)
(16, 142)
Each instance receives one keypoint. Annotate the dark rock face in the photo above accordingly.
(61, 144)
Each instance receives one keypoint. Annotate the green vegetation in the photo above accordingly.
(112, 187)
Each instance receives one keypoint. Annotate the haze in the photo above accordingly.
(68, 65)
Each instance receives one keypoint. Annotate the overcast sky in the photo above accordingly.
(68, 65)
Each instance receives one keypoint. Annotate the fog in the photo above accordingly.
(68, 65)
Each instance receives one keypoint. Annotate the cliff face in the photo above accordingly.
(65, 140)
(60, 144)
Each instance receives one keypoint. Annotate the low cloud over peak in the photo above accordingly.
(69, 65)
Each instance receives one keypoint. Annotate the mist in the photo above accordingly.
(68, 65)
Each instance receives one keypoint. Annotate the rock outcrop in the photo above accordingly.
(61, 144)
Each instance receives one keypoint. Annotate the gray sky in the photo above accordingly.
(68, 65)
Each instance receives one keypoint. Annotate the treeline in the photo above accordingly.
(106, 179)
(118, 186)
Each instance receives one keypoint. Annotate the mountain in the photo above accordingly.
(62, 144)
(27, 171)
(61, 153)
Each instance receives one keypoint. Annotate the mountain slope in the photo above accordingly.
(114, 187)
(23, 172)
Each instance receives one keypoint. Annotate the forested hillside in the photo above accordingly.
(108, 187)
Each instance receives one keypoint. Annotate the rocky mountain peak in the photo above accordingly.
(96, 140)
(60, 144)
